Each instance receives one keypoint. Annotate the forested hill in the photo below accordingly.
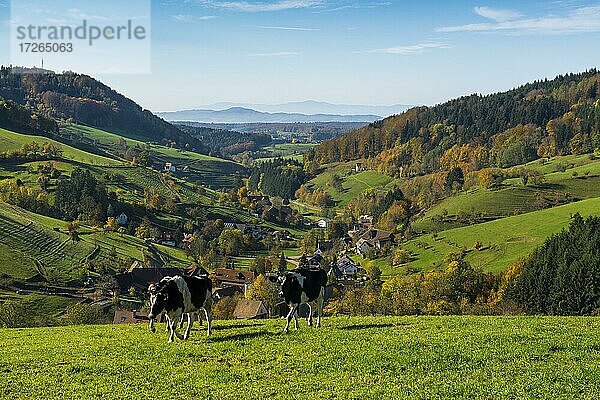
(543, 118)
(84, 100)
(226, 143)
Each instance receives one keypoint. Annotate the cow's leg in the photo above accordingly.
(171, 327)
(320, 301)
(174, 322)
(209, 317)
(182, 320)
(199, 318)
(296, 318)
(289, 317)
(190, 321)
(309, 319)
(168, 328)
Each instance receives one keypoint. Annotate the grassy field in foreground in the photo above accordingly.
(349, 358)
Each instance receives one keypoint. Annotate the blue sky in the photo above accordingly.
(353, 51)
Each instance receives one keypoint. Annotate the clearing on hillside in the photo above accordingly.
(502, 241)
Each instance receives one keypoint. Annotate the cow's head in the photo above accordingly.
(158, 301)
(285, 281)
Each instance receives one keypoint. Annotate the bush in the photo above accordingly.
(401, 256)
(360, 301)
(83, 314)
(224, 308)
(13, 314)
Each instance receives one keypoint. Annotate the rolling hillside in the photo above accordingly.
(349, 358)
(539, 119)
(81, 98)
(565, 179)
(34, 245)
(504, 240)
(352, 183)
(209, 171)
(13, 141)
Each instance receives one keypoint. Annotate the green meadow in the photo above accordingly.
(503, 241)
(348, 358)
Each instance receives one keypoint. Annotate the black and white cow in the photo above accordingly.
(181, 295)
(303, 286)
(153, 290)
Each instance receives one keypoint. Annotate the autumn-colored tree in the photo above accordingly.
(400, 257)
(264, 290)
(224, 308)
(231, 242)
(111, 225)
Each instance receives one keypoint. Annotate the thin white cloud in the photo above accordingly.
(183, 17)
(354, 6)
(412, 49)
(262, 6)
(78, 14)
(276, 54)
(498, 14)
(289, 28)
(191, 18)
(583, 19)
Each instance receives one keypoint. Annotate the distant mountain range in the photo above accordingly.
(317, 107)
(240, 115)
(304, 111)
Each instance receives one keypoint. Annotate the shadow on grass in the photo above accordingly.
(366, 326)
(229, 327)
(242, 336)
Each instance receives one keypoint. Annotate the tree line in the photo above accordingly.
(540, 119)
(82, 99)
(279, 177)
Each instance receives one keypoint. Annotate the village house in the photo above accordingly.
(356, 232)
(275, 213)
(347, 266)
(130, 317)
(258, 232)
(260, 201)
(363, 246)
(376, 239)
(280, 235)
(365, 220)
(122, 219)
(234, 225)
(168, 239)
(223, 277)
(169, 167)
(323, 246)
(323, 223)
(250, 309)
